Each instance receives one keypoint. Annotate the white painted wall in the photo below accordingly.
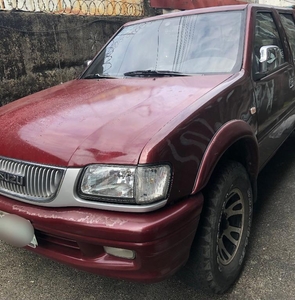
(275, 2)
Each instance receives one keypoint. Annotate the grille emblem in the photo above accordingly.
(12, 178)
(27, 181)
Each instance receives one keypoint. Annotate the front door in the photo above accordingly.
(273, 92)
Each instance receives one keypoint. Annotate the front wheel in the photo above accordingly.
(226, 225)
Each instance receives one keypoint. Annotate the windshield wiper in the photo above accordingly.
(94, 76)
(144, 73)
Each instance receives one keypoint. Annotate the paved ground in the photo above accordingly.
(269, 271)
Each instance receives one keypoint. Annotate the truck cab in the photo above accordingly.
(152, 155)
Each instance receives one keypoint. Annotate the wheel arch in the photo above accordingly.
(235, 140)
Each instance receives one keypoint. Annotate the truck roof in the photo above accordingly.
(209, 9)
(180, 4)
(193, 11)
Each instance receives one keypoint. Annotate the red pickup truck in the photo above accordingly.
(158, 144)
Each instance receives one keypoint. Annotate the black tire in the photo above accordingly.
(219, 251)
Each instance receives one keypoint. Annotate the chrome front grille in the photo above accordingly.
(24, 180)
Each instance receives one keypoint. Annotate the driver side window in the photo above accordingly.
(266, 34)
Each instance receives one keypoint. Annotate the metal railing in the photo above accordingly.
(79, 7)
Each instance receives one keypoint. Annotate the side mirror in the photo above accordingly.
(270, 58)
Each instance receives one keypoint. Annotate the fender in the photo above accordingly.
(224, 138)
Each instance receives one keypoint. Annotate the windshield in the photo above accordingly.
(194, 44)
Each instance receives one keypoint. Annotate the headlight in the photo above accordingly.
(141, 185)
(108, 181)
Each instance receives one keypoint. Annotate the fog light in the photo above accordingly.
(123, 253)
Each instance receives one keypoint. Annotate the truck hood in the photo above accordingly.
(96, 121)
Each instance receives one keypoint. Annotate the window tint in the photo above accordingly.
(288, 23)
(266, 34)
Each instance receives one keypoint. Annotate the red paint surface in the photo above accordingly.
(154, 120)
(156, 237)
(191, 4)
(96, 121)
(230, 133)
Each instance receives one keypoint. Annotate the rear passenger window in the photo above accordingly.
(266, 34)
(289, 25)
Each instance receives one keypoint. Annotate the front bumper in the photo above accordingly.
(77, 236)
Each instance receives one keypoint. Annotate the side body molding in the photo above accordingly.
(231, 133)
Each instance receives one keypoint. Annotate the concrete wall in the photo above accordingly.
(38, 50)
